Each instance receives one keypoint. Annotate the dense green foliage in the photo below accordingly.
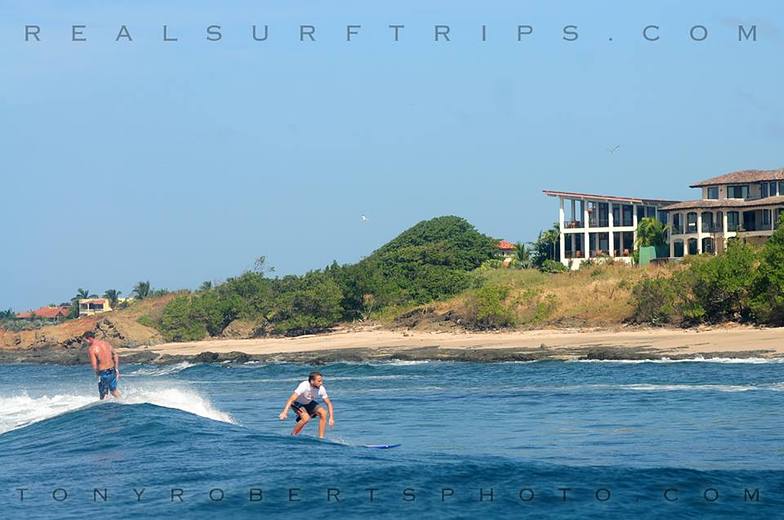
(744, 284)
(552, 266)
(428, 261)
(113, 295)
(768, 300)
(546, 246)
(486, 308)
(651, 232)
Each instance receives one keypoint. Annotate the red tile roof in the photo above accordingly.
(505, 246)
(743, 176)
(45, 312)
(725, 203)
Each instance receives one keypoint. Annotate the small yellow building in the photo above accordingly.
(90, 306)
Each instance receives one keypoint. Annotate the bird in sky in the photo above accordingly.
(614, 148)
(364, 219)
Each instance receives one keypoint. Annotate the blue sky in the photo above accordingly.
(182, 162)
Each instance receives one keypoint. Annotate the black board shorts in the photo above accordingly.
(310, 408)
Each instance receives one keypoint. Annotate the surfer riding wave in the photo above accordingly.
(304, 402)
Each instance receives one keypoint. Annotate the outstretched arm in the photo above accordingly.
(286, 407)
(331, 411)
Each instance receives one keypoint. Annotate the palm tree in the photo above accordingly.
(523, 255)
(113, 296)
(142, 290)
(81, 294)
(205, 286)
(651, 232)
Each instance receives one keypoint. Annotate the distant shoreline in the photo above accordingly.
(376, 344)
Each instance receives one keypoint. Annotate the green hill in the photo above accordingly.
(431, 260)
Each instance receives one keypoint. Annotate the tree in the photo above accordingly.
(7, 315)
(205, 286)
(651, 232)
(113, 295)
(81, 294)
(260, 266)
(546, 246)
(768, 302)
(142, 290)
(523, 255)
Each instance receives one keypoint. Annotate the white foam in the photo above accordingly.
(177, 398)
(646, 387)
(163, 370)
(676, 388)
(22, 410)
(696, 359)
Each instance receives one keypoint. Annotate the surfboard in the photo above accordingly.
(381, 446)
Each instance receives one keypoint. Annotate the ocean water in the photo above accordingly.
(497, 440)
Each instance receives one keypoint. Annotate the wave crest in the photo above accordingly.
(21, 410)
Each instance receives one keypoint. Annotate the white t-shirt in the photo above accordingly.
(307, 392)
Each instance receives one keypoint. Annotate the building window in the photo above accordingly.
(691, 222)
(678, 248)
(693, 246)
(781, 187)
(772, 191)
(738, 192)
(733, 219)
(707, 222)
(604, 214)
(766, 218)
(779, 212)
(677, 225)
(764, 190)
(616, 214)
(708, 245)
(628, 212)
(713, 192)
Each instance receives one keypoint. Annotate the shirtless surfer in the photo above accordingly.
(106, 363)
(303, 400)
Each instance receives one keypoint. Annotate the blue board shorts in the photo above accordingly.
(310, 408)
(107, 381)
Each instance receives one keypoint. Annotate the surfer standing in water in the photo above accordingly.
(106, 363)
(303, 400)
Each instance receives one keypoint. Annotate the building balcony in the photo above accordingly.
(756, 228)
(712, 228)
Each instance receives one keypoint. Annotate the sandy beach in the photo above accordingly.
(362, 344)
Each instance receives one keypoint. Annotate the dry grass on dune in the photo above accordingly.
(593, 296)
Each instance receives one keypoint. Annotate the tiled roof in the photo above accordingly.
(505, 246)
(614, 198)
(45, 312)
(725, 203)
(743, 176)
